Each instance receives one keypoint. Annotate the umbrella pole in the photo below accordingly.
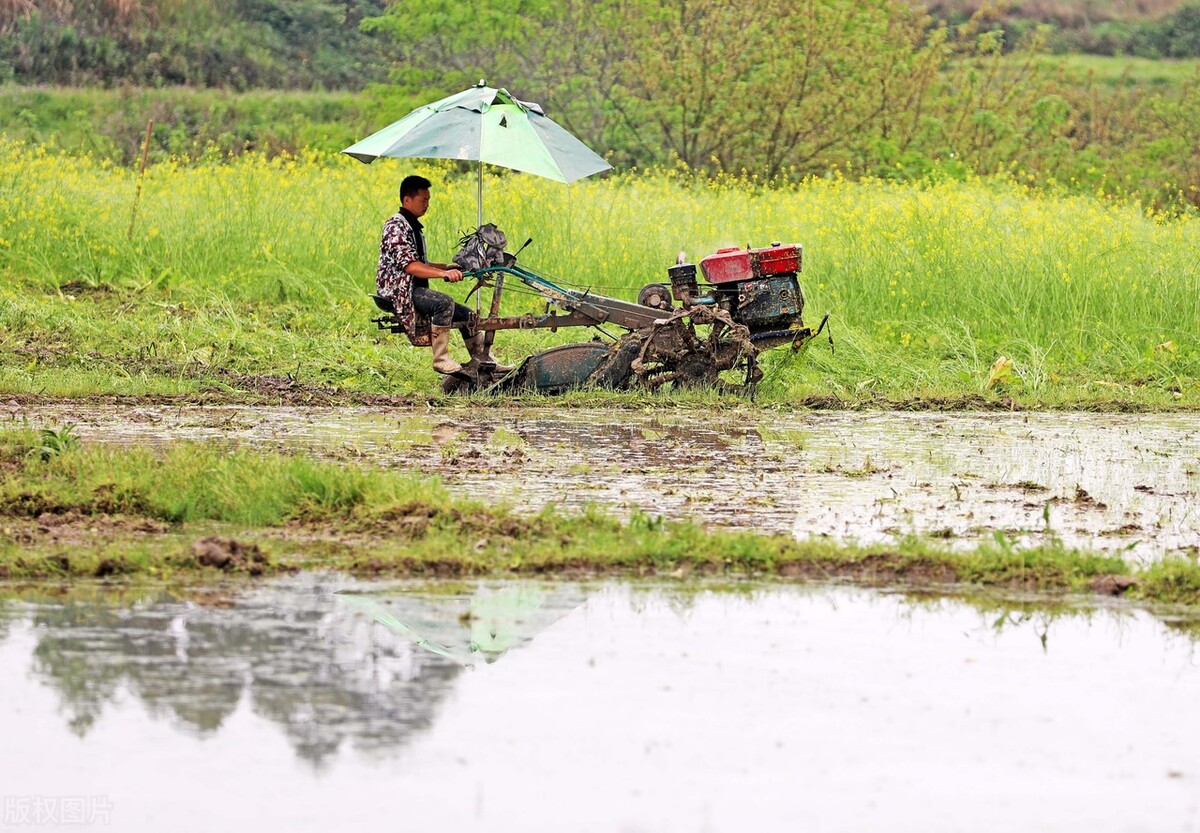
(478, 225)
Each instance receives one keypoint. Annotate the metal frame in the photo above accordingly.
(583, 308)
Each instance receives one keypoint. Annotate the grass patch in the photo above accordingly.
(1114, 70)
(189, 482)
(191, 121)
(110, 512)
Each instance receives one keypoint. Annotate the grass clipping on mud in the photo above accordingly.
(73, 511)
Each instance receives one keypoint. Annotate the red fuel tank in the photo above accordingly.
(734, 264)
(777, 259)
(727, 266)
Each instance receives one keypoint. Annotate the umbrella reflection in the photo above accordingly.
(473, 629)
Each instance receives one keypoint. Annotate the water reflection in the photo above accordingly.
(322, 673)
(366, 666)
(645, 707)
(7, 614)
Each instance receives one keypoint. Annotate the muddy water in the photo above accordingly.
(530, 707)
(1112, 482)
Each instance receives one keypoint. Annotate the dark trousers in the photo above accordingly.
(439, 308)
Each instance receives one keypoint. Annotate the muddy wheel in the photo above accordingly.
(695, 370)
(469, 380)
(455, 384)
(614, 370)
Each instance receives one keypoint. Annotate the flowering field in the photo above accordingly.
(259, 267)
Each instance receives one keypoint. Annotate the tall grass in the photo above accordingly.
(263, 266)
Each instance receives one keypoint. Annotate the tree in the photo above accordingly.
(763, 84)
(774, 84)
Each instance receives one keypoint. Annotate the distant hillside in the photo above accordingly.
(1067, 14)
(241, 44)
(319, 44)
(1141, 28)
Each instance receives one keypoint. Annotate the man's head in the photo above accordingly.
(414, 194)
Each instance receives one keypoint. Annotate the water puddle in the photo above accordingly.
(315, 703)
(1108, 482)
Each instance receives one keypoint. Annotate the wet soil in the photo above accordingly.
(75, 527)
(1118, 483)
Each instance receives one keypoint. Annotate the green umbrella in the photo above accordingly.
(484, 124)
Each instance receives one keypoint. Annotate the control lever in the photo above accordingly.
(510, 259)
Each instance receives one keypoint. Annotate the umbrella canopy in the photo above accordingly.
(484, 124)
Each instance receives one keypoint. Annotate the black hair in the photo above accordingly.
(412, 184)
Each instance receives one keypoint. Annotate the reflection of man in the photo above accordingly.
(404, 274)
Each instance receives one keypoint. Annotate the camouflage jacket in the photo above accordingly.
(402, 244)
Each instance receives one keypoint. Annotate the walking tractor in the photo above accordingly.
(684, 332)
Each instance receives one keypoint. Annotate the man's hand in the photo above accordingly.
(453, 275)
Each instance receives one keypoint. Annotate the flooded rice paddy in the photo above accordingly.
(319, 703)
(1120, 483)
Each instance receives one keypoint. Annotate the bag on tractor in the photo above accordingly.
(481, 248)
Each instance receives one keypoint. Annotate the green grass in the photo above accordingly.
(111, 123)
(1120, 69)
(258, 267)
(189, 483)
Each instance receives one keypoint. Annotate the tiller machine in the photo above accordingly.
(685, 332)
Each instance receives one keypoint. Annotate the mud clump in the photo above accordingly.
(413, 520)
(1112, 585)
(212, 599)
(1082, 498)
(108, 567)
(49, 521)
(292, 391)
(230, 555)
(409, 520)
(28, 504)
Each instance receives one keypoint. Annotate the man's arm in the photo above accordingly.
(400, 246)
(434, 271)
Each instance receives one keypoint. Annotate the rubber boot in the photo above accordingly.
(442, 362)
(477, 346)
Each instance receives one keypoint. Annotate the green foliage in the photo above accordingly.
(772, 88)
(53, 442)
(796, 88)
(1175, 34)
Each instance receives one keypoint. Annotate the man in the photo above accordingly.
(404, 274)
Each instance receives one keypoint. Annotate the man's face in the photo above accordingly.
(418, 204)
